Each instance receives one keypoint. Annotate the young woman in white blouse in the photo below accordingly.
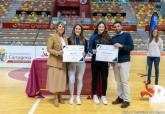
(155, 46)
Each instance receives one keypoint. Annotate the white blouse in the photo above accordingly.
(63, 42)
(154, 48)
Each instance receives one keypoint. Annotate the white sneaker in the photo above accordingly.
(71, 101)
(104, 100)
(78, 100)
(95, 99)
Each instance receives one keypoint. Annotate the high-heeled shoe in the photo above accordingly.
(56, 101)
(60, 99)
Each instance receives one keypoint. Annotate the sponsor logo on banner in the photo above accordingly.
(2, 55)
(19, 58)
(41, 52)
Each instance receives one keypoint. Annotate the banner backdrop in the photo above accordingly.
(20, 56)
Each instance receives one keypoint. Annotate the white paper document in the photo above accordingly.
(107, 53)
(73, 53)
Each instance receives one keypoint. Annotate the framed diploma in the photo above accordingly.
(107, 53)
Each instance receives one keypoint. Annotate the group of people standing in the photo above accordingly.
(58, 70)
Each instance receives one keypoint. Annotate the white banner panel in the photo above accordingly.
(41, 52)
(20, 56)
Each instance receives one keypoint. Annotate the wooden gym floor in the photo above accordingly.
(13, 99)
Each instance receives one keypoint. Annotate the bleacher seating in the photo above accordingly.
(5, 6)
(31, 18)
(108, 19)
(144, 11)
(33, 5)
(36, 5)
(23, 37)
(112, 7)
(162, 36)
(107, 7)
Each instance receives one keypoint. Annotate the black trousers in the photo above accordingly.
(99, 73)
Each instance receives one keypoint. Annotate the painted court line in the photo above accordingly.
(34, 106)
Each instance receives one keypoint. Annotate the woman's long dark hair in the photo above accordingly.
(151, 37)
(73, 35)
(105, 32)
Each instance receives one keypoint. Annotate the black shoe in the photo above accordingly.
(156, 81)
(118, 101)
(125, 104)
(148, 82)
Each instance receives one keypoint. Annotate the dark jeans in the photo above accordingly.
(99, 73)
(150, 61)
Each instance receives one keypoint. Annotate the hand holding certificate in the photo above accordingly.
(107, 53)
(73, 53)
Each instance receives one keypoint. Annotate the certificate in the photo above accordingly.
(107, 53)
(73, 53)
